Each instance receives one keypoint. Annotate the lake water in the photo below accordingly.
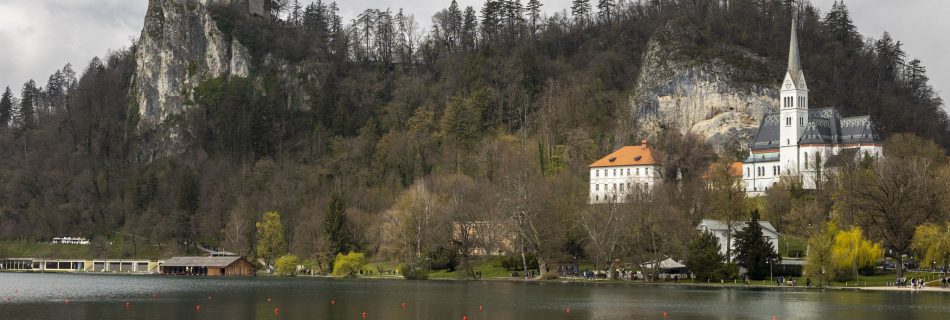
(44, 296)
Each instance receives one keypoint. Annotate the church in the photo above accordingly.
(803, 142)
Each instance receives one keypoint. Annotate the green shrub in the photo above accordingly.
(287, 266)
(443, 258)
(348, 265)
(512, 262)
(414, 273)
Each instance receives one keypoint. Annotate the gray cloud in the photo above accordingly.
(38, 37)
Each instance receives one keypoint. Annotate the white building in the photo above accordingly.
(718, 228)
(622, 172)
(797, 139)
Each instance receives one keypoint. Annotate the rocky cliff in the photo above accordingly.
(705, 97)
(181, 45)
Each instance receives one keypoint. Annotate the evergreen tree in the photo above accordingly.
(454, 23)
(469, 28)
(334, 226)
(6, 107)
(606, 8)
(840, 25)
(534, 13)
(753, 251)
(27, 105)
(580, 9)
(295, 13)
(704, 258)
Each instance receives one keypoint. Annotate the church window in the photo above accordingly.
(788, 121)
(801, 121)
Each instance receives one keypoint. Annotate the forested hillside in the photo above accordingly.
(351, 129)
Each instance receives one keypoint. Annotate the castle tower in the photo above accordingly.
(794, 109)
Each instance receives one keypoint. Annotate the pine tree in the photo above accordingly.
(455, 23)
(606, 8)
(27, 104)
(295, 12)
(334, 226)
(6, 107)
(753, 251)
(704, 258)
(580, 9)
(534, 13)
(469, 28)
(840, 25)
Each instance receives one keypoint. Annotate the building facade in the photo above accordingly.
(723, 233)
(621, 173)
(800, 142)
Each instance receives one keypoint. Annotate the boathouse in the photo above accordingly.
(211, 266)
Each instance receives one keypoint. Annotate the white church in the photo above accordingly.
(797, 140)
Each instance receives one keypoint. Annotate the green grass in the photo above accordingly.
(879, 280)
(117, 250)
(792, 246)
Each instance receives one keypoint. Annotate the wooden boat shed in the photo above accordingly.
(210, 266)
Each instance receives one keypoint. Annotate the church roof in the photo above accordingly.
(825, 126)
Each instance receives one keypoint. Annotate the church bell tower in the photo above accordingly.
(794, 109)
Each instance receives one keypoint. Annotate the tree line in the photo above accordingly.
(400, 135)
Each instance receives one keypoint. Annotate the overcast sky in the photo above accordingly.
(37, 37)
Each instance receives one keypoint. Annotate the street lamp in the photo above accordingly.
(770, 269)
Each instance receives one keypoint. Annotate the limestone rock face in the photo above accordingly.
(181, 45)
(675, 91)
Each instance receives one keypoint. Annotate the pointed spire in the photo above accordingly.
(794, 62)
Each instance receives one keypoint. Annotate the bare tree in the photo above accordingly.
(892, 198)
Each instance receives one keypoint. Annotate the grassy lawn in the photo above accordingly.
(792, 246)
(74, 251)
(880, 280)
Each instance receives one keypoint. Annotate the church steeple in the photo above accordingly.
(794, 62)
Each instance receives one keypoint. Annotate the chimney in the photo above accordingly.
(643, 143)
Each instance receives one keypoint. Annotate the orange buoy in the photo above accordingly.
(276, 311)
(464, 317)
(481, 307)
(364, 314)
(666, 314)
(332, 301)
(568, 310)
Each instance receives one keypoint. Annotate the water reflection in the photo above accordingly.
(43, 296)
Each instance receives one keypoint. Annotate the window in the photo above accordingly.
(638, 172)
(596, 187)
(628, 172)
(806, 160)
(621, 187)
(748, 172)
(788, 121)
(801, 121)
(597, 198)
(597, 173)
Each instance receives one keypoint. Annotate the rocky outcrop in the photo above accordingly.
(676, 91)
(180, 46)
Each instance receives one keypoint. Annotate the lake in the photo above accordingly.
(45, 296)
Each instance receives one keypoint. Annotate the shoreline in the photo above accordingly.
(566, 281)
